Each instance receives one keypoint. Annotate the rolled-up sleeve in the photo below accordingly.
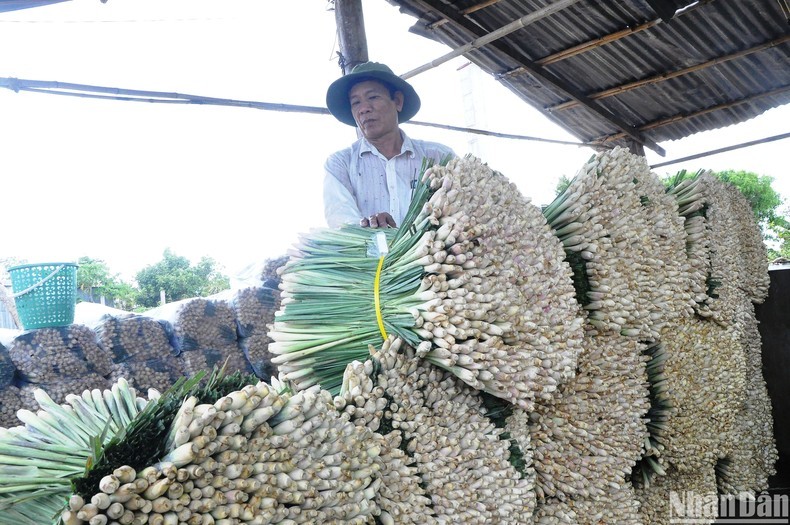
(340, 206)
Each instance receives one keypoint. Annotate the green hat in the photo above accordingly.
(337, 94)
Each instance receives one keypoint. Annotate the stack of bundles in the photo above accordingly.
(232, 451)
(255, 307)
(628, 276)
(589, 437)
(445, 461)
(706, 376)
(141, 351)
(754, 453)
(655, 502)
(59, 360)
(270, 276)
(474, 279)
(204, 334)
(7, 368)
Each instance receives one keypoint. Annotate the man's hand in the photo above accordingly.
(379, 220)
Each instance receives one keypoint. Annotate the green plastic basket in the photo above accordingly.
(45, 294)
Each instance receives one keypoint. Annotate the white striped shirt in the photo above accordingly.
(360, 182)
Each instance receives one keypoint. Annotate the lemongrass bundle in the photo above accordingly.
(669, 279)
(657, 417)
(655, 500)
(473, 279)
(590, 436)
(601, 222)
(401, 496)
(706, 376)
(40, 458)
(49, 355)
(688, 192)
(725, 258)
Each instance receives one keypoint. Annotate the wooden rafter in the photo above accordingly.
(680, 117)
(540, 73)
(623, 88)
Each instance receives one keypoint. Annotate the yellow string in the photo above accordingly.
(377, 300)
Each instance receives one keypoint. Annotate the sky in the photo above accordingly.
(123, 181)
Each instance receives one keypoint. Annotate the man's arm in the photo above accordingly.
(340, 205)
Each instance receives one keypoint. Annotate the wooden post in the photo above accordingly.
(351, 34)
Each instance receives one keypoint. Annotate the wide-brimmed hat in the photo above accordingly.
(337, 94)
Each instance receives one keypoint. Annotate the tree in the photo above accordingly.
(179, 279)
(765, 202)
(93, 276)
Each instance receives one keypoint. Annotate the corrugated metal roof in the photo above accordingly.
(609, 70)
(16, 5)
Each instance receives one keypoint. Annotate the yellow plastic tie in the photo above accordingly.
(377, 300)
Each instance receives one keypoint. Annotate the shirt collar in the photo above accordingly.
(367, 147)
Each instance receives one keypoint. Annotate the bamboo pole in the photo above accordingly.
(493, 35)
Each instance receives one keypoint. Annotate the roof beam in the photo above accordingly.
(623, 88)
(488, 37)
(540, 73)
(680, 117)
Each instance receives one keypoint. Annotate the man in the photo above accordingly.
(371, 182)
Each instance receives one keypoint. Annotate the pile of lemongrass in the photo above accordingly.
(254, 455)
(473, 279)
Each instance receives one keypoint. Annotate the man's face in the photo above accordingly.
(375, 112)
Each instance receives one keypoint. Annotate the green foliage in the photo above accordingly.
(179, 279)
(562, 184)
(94, 279)
(757, 190)
(765, 202)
